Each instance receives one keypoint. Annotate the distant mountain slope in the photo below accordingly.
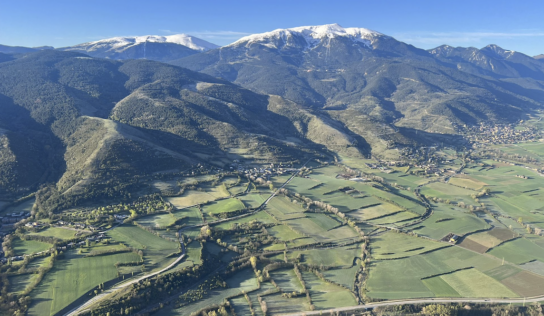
(540, 57)
(372, 84)
(92, 127)
(160, 48)
(491, 60)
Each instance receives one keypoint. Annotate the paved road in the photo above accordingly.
(420, 301)
(83, 307)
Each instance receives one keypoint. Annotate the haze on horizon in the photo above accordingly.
(423, 24)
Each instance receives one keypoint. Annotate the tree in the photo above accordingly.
(253, 261)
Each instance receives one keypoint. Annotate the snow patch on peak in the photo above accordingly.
(122, 43)
(311, 34)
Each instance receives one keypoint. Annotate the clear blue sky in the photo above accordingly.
(516, 25)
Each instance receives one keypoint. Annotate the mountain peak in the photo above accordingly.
(124, 42)
(311, 34)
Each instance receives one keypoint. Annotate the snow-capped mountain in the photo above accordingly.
(162, 48)
(309, 36)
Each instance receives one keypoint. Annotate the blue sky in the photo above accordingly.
(512, 25)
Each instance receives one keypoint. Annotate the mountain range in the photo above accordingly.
(96, 119)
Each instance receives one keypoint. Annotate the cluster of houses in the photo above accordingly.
(35, 225)
(76, 225)
(120, 218)
(14, 217)
(502, 134)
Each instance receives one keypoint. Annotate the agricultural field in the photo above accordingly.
(483, 241)
(448, 192)
(287, 280)
(388, 236)
(157, 251)
(327, 295)
(223, 206)
(448, 219)
(519, 251)
(390, 245)
(71, 278)
(337, 257)
(158, 220)
(345, 277)
(27, 247)
(283, 233)
(60, 233)
(253, 200)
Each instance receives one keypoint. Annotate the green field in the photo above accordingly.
(326, 295)
(18, 283)
(345, 277)
(440, 288)
(155, 249)
(337, 257)
(283, 233)
(261, 216)
(402, 278)
(27, 247)
(223, 206)
(191, 216)
(473, 283)
(57, 232)
(518, 251)
(447, 191)
(287, 280)
(375, 211)
(284, 209)
(448, 219)
(391, 245)
(194, 197)
(157, 220)
(253, 200)
(72, 277)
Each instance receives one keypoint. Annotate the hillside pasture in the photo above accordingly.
(27, 247)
